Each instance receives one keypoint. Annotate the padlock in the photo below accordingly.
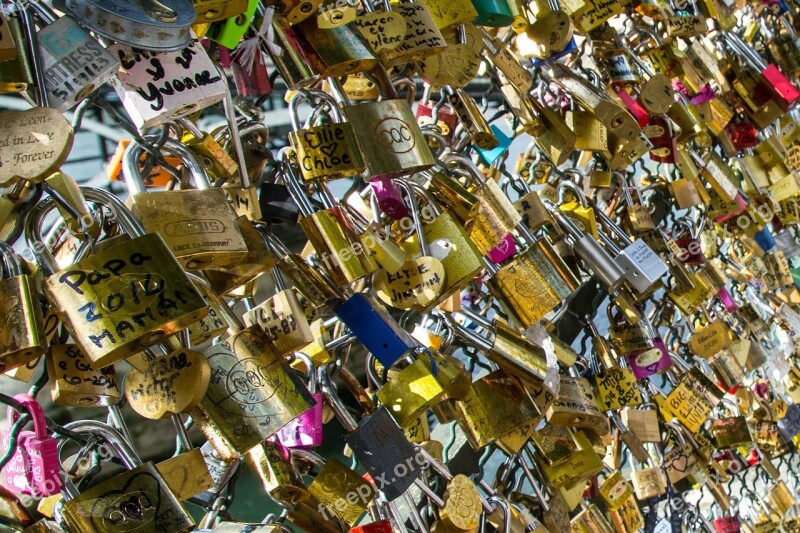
(217, 162)
(156, 87)
(74, 64)
(335, 481)
(229, 32)
(16, 74)
(446, 240)
(334, 51)
(576, 467)
(282, 318)
(173, 214)
(34, 467)
(74, 383)
(169, 384)
(648, 482)
(215, 10)
(732, 431)
(377, 427)
(22, 340)
(252, 393)
(158, 27)
(305, 431)
(118, 302)
(138, 498)
(328, 151)
(576, 406)
(401, 148)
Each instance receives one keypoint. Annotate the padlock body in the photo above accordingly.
(327, 152)
(304, 431)
(138, 500)
(21, 327)
(252, 394)
(123, 299)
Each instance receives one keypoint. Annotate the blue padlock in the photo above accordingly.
(571, 47)
(765, 239)
(380, 334)
(503, 142)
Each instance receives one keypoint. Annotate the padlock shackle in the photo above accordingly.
(35, 218)
(10, 260)
(37, 414)
(337, 405)
(235, 324)
(409, 191)
(296, 190)
(133, 176)
(124, 451)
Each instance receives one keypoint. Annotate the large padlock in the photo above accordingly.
(136, 500)
(34, 467)
(213, 241)
(122, 299)
(252, 393)
(389, 138)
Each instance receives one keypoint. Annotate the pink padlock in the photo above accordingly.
(389, 198)
(505, 249)
(34, 468)
(305, 431)
(634, 108)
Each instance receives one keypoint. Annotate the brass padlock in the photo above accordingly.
(73, 382)
(138, 499)
(252, 394)
(389, 138)
(328, 151)
(21, 327)
(122, 299)
(212, 241)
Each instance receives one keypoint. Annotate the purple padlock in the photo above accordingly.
(505, 249)
(305, 431)
(646, 363)
(389, 198)
(727, 300)
(34, 469)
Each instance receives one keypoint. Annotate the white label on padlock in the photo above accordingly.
(157, 87)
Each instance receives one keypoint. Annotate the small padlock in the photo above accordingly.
(34, 468)
(305, 431)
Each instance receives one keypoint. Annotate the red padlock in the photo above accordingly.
(383, 526)
(34, 468)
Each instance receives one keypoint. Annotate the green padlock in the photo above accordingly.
(230, 31)
(494, 13)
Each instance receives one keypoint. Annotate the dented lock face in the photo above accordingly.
(74, 63)
(162, 26)
(137, 500)
(328, 151)
(389, 138)
(251, 395)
